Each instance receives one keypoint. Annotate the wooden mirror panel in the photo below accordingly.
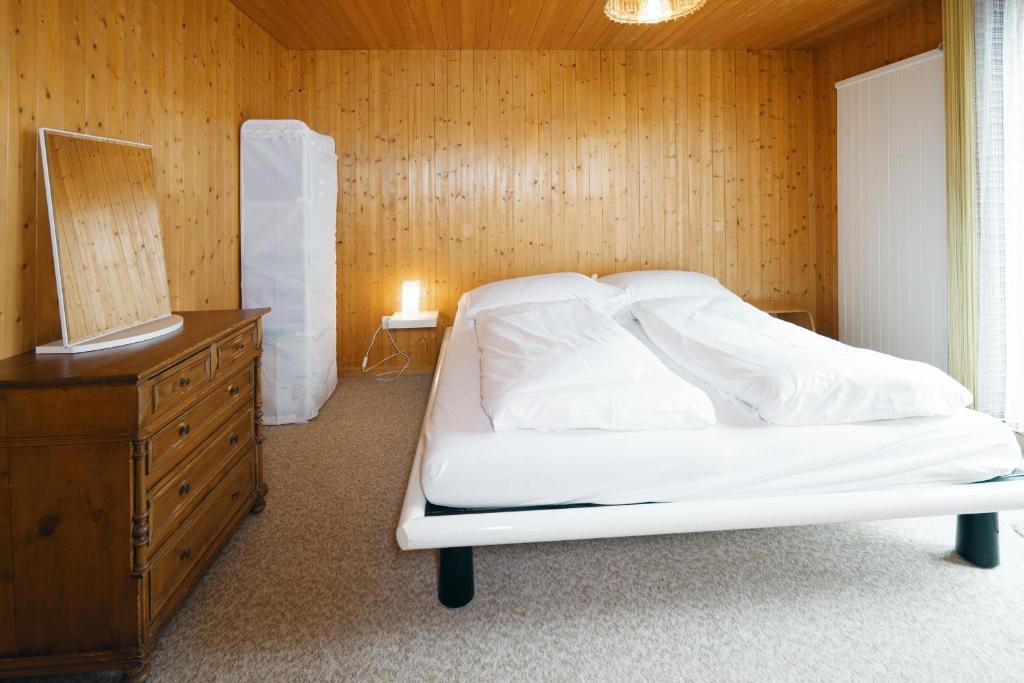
(105, 229)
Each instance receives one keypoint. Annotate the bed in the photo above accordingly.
(471, 486)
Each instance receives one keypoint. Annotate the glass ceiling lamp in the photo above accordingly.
(649, 11)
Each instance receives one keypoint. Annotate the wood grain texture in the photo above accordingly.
(53, 520)
(79, 487)
(107, 227)
(910, 31)
(8, 640)
(458, 168)
(180, 75)
(551, 25)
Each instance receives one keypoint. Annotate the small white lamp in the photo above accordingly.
(411, 315)
(410, 298)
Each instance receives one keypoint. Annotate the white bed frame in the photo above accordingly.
(977, 536)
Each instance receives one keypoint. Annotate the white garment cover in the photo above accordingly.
(567, 365)
(289, 194)
(789, 375)
(1000, 133)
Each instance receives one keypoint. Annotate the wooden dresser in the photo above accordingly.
(122, 474)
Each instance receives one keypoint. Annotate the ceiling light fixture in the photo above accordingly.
(649, 11)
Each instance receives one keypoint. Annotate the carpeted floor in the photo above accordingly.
(316, 588)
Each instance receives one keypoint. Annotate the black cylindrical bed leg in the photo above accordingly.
(455, 576)
(977, 539)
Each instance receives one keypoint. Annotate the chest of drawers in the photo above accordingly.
(122, 474)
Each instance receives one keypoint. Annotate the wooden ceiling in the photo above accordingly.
(552, 24)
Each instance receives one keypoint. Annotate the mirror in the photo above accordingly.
(105, 233)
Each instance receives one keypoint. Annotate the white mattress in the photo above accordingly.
(467, 464)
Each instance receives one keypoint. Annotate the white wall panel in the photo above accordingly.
(892, 210)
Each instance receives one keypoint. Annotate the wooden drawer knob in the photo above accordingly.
(239, 346)
(184, 429)
(186, 554)
(235, 495)
(233, 440)
(184, 381)
(184, 489)
(233, 390)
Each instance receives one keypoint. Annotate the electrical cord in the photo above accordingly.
(387, 375)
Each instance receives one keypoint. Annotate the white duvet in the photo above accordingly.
(789, 375)
(567, 365)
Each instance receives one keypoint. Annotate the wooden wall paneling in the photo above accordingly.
(705, 159)
(741, 173)
(180, 75)
(467, 191)
(21, 268)
(717, 170)
(170, 92)
(505, 168)
(755, 241)
(545, 190)
(355, 138)
(192, 249)
(770, 271)
(53, 52)
(912, 30)
(529, 153)
(492, 135)
(371, 271)
(679, 251)
(726, 167)
(503, 164)
(10, 334)
(421, 195)
(463, 167)
(807, 170)
(646, 163)
(389, 289)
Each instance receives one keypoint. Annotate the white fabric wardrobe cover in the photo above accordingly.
(289, 196)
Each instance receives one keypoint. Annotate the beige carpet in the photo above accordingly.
(316, 589)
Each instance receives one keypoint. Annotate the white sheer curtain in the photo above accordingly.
(999, 62)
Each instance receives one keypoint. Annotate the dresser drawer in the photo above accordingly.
(175, 441)
(240, 344)
(185, 550)
(179, 383)
(178, 493)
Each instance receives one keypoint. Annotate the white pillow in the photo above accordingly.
(644, 285)
(539, 289)
(560, 365)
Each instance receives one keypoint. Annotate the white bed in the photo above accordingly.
(467, 464)
(740, 473)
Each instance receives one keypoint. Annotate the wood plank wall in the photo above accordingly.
(178, 74)
(457, 167)
(911, 31)
(462, 167)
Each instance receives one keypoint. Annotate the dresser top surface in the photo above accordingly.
(126, 364)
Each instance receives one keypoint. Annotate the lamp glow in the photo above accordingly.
(410, 298)
(649, 11)
(653, 11)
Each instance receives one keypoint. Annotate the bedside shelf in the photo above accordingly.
(400, 322)
(788, 312)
